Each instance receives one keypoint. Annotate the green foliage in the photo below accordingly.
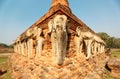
(6, 46)
(11, 46)
(111, 42)
(3, 59)
(108, 76)
(115, 53)
(104, 36)
(3, 45)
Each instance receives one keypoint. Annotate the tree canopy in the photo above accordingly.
(111, 42)
(5, 45)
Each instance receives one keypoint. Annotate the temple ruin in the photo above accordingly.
(58, 46)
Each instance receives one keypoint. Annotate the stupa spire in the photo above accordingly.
(62, 2)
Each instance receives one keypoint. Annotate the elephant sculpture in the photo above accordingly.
(40, 41)
(83, 36)
(78, 41)
(93, 43)
(31, 31)
(58, 27)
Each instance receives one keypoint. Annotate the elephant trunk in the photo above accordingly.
(61, 47)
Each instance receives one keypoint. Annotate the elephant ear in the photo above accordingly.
(64, 17)
(18, 39)
(50, 26)
(68, 25)
(28, 32)
(78, 31)
(38, 32)
(31, 31)
(35, 31)
(65, 22)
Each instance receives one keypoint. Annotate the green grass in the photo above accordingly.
(3, 59)
(4, 63)
(115, 54)
(4, 66)
(108, 76)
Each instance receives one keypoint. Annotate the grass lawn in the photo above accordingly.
(3, 59)
(108, 76)
(4, 63)
(4, 66)
(115, 54)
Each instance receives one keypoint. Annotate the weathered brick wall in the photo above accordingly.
(47, 43)
(42, 67)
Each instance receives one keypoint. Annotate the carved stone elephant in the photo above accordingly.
(91, 42)
(78, 41)
(40, 41)
(58, 27)
(83, 36)
(100, 44)
(31, 31)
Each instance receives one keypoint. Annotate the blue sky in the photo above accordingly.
(17, 15)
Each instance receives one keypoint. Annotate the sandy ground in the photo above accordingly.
(5, 54)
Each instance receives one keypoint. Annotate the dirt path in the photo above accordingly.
(5, 54)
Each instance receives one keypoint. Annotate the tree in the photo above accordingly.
(11, 46)
(3, 45)
(104, 36)
(111, 42)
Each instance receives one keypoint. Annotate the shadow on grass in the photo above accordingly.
(115, 54)
(2, 72)
(4, 68)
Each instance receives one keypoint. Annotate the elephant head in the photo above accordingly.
(58, 28)
(31, 31)
(84, 39)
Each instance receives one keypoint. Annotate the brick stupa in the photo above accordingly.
(33, 57)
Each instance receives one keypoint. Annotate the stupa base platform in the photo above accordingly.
(43, 67)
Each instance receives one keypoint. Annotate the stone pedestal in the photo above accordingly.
(42, 67)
